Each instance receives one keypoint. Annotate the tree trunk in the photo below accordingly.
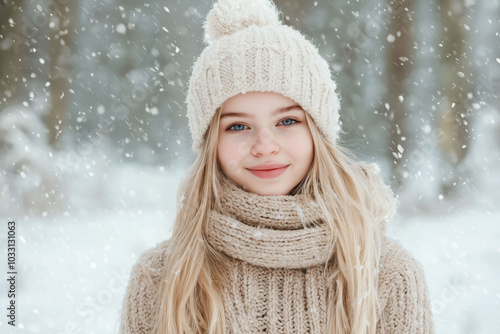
(14, 39)
(400, 61)
(61, 36)
(456, 74)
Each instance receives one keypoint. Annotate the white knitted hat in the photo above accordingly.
(249, 50)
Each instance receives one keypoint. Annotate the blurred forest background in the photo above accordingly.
(89, 85)
(94, 139)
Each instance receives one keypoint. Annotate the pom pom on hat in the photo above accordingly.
(229, 16)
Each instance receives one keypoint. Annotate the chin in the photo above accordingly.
(270, 191)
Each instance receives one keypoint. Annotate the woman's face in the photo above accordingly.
(265, 145)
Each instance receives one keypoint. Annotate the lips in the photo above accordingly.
(268, 171)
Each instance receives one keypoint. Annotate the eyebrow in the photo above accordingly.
(248, 115)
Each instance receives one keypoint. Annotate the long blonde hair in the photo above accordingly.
(193, 278)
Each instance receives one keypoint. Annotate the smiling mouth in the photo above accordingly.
(268, 173)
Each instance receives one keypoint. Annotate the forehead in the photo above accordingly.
(255, 102)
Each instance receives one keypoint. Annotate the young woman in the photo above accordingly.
(278, 229)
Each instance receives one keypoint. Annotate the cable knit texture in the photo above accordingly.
(277, 247)
(251, 50)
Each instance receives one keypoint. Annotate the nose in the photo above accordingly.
(264, 144)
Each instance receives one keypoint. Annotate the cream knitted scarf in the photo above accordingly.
(277, 248)
(282, 231)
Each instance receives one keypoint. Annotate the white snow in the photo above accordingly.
(460, 253)
(73, 268)
(121, 29)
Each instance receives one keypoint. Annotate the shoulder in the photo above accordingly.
(398, 269)
(154, 258)
(150, 264)
(402, 290)
(141, 296)
(395, 260)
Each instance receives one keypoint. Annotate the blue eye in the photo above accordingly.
(237, 127)
(288, 121)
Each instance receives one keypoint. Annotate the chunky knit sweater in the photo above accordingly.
(276, 281)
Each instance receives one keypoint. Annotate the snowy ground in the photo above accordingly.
(73, 268)
(460, 253)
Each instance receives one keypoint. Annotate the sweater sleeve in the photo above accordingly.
(403, 293)
(141, 300)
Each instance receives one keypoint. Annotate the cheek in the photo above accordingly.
(229, 152)
(301, 146)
